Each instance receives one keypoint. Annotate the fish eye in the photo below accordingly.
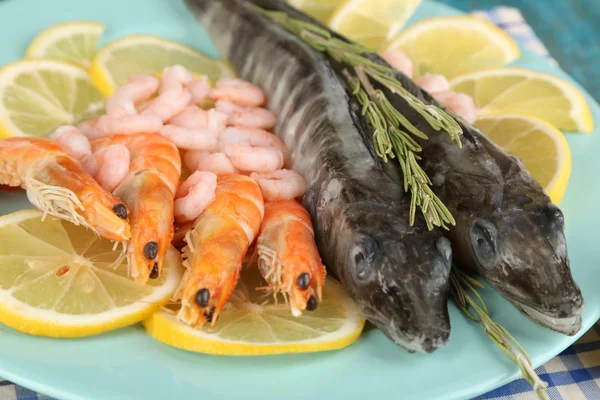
(484, 243)
(362, 256)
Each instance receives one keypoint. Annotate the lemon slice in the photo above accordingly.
(454, 45)
(320, 10)
(37, 96)
(371, 24)
(524, 92)
(61, 280)
(147, 54)
(252, 324)
(75, 42)
(542, 148)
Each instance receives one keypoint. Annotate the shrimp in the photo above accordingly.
(57, 185)
(193, 117)
(148, 190)
(217, 163)
(239, 92)
(460, 103)
(113, 165)
(199, 89)
(433, 83)
(246, 157)
(288, 257)
(254, 137)
(283, 184)
(90, 129)
(128, 125)
(173, 96)
(194, 195)
(77, 145)
(190, 139)
(138, 89)
(254, 117)
(398, 60)
(216, 247)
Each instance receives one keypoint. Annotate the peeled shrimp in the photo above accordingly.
(460, 103)
(175, 77)
(90, 129)
(216, 247)
(194, 195)
(190, 139)
(288, 257)
(246, 157)
(254, 137)
(57, 184)
(77, 145)
(113, 165)
(239, 92)
(199, 89)
(398, 60)
(193, 117)
(254, 117)
(138, 89)
(149, 191)
(283, 184)
(173, 96)
(433, 83)
(217, 163)
(128, 125)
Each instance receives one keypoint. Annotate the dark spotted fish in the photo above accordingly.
(397, 273)
(507, 228)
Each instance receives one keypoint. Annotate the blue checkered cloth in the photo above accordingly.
(575, 373)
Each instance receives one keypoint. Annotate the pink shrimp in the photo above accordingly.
(398, 60)
(113, 165)
(128, 125)
(433, 83)
(194, 195)
(175, 77)
(460, 103)
(248, 158)
(283, 184)
(217, 163)
(253, 117)
(193, 117)
(254, 137)
(78, 146)
(138, 89)
(239, 92)
(190, 139)
(199, 89)
(90, 129)
(173, 97)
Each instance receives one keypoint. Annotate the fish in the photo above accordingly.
(507, 228)
(397, 273)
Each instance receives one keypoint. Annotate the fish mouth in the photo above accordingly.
(553, 320)
(568, 325)
(426, 341)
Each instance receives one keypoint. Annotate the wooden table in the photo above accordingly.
(570, 30)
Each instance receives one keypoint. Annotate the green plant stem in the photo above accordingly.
(462, 287)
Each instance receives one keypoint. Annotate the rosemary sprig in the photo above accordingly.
(393, 134)
(462, 286)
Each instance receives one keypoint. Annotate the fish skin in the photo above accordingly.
(507, 229)
(398, 274)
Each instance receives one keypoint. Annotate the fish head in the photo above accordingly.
(522, 252)
(401, 282)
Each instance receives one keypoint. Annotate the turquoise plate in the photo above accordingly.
(128, 364)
